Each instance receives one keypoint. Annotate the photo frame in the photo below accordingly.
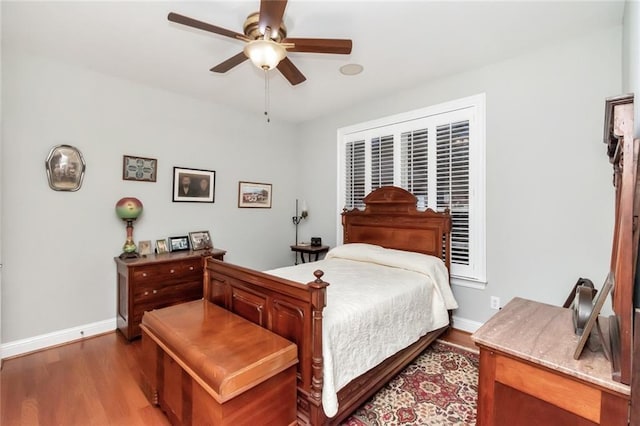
(139, 168)
(161, 247)
(178, 243)
(200, 240)
(254, 195)
(144, 247)
(194, 185)
(65, 168)
(597, 306)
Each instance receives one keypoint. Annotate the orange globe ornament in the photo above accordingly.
(129, 209)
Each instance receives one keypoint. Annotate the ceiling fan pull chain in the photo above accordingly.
(266, 96)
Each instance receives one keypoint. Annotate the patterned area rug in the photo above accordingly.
(439, 388)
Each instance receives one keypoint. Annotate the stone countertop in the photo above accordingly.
(543, 334)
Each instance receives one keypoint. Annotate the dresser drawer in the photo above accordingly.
(166, 290)
(167, 271)
(168, 295)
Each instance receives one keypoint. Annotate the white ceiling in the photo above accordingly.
(399, 43)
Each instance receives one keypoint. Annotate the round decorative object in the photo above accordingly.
(582, 307)
(128, 208)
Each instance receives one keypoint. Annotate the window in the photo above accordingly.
(436, 153)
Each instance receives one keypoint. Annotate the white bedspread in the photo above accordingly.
(379, 301)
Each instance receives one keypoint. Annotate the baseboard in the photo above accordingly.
(24, 346)
(466, 324)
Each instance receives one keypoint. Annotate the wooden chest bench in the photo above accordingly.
(205, 365)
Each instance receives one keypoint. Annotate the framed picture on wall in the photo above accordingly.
(193, 185)
(254, 195)
(65, 168)
(139, 168)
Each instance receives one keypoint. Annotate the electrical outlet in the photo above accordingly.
(495, 302)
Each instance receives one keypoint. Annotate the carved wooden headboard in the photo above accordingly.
(391, 219)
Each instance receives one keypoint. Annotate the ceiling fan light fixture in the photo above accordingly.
(265, 54)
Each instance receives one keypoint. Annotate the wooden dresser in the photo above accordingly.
(155, 281)
(528, 375)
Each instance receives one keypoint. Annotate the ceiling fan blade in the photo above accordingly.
(271, 12)
(320, 45)
(291, 72)
(194, 23)
(230, 63)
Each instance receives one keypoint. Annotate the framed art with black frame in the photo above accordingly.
(193, 185)
(178, 243)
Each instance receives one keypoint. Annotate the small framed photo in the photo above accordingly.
(254, 195)
(200, 240)
(194, 185)
(139, 168)
(144, 247)
(65, 168)
(178, 243)
(161, 246)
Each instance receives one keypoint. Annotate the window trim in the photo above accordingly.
(477, 171)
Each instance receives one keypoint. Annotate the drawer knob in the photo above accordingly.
(191, 268)
(144, 274)
(155, 291)
(172, 271)
(146, 293)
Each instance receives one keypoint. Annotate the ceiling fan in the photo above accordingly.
(267, 41)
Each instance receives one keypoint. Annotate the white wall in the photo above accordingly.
(58, 247)
(549, 192)
(631, 56)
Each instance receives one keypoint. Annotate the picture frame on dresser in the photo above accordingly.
(161, 247)
(180, 243)
(144, 247)
(200, 240)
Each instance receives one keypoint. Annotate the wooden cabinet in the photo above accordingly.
(528, 375)
(156, 281)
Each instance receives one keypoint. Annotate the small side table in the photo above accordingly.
(309, 250)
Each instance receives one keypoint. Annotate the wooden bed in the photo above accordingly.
(295, 311)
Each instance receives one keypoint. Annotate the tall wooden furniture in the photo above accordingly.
(528, 375)
(622, 151)
(155, 281)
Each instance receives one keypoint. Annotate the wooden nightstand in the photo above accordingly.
(309, 250)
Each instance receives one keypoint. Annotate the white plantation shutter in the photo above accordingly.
(414, 162)
(355, 175)
(452, 147)
(381, 161)
(437, 154)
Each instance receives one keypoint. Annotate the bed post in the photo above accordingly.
(318, 302)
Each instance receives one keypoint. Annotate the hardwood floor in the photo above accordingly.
(94, 381)
(91, 382)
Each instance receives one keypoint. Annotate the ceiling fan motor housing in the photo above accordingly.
(252, 29)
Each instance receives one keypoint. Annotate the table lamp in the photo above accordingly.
(128, 209)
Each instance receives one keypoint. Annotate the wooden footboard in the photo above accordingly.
(287, 308)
